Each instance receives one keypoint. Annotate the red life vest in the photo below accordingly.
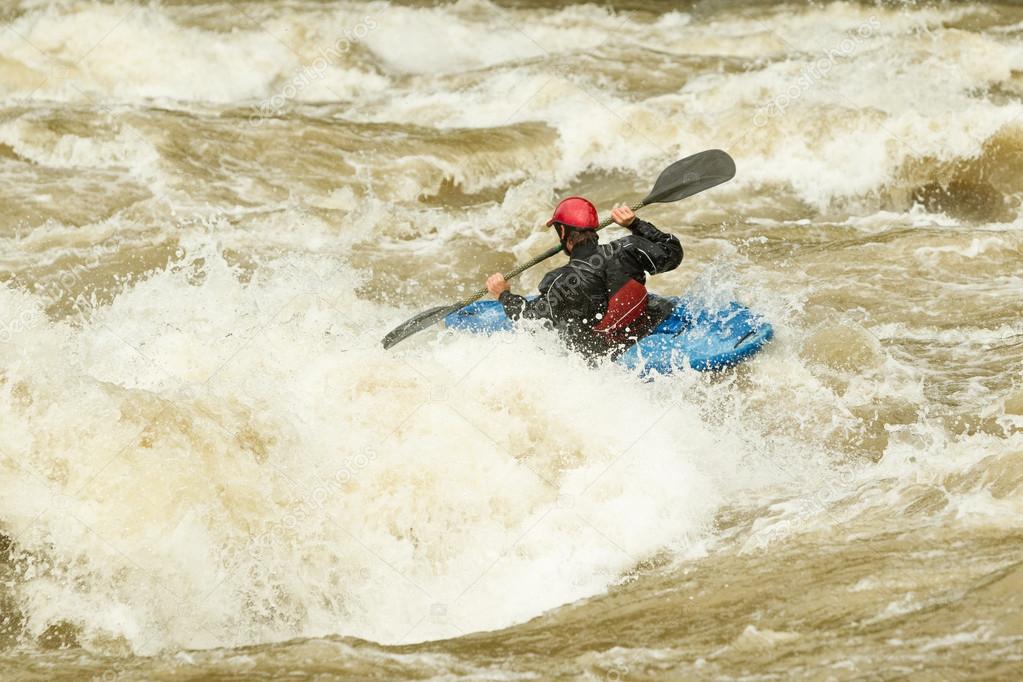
(625, 307)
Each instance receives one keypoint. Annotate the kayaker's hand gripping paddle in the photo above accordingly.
(681, 179)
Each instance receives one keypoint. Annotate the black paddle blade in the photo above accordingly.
(425, 319)
(692, 175)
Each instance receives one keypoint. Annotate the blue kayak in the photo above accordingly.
(693, 335)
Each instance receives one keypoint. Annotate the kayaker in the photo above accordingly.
(598, 300)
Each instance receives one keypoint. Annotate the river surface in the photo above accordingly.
(211, 212)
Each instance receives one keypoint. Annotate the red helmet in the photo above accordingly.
(575, 212)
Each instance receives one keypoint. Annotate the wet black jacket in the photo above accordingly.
(575, 296)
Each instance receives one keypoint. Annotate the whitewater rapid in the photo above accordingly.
(206, 455)
(213, 212)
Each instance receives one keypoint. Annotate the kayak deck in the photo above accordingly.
(704, 339)
(693, 335)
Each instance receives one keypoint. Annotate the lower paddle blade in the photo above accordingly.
(425, 319)
(691, 175)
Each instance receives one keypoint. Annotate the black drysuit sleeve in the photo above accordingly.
(547, 306)
(650, 250)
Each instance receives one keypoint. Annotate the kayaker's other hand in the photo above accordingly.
(496, 284)
(623, 215)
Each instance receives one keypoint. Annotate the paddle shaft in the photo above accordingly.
(553, 251)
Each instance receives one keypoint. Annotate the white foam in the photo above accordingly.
(840, 135)
(419, 488)
(36, 142)
(126, 52)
